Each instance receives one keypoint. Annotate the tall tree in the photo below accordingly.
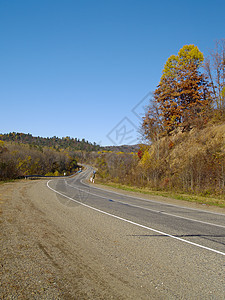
(183, 92)
(152, 124)
(215, 69)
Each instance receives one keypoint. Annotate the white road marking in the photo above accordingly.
(158, 202)
(145, 208)
(137, 224)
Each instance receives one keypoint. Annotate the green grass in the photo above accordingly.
(207, 200)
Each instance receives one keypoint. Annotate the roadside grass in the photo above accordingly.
(8, 180)
(207, 200)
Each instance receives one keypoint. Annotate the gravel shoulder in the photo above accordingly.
(53, 248)
(49, 249)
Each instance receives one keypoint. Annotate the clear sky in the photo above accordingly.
(80, 68)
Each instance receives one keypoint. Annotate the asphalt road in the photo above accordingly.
(188, 239)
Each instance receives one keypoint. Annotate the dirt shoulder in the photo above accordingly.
(50, 251)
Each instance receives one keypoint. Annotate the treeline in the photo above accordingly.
(183, 130)
(123, 148)
(54, 142)
(22, 154)
(18, 160)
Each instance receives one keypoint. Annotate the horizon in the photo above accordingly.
(64, 137)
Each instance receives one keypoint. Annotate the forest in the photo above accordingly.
(23, 154)
(54, 142)
(19, 160)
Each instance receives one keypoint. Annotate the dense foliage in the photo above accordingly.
(17, 160)
(184, 162)
(182, 98)
(22, 154)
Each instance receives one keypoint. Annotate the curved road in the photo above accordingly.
(176, 249)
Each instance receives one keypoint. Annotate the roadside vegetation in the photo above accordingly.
(195, 198)
(23, 154)
(19, 160)
(183, 132)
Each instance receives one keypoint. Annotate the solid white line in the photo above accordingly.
(145, 208)
(137, 224)
(158, 202)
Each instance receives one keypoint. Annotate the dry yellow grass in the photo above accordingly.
(188, 162)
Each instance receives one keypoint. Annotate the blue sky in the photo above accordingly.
(80, 68)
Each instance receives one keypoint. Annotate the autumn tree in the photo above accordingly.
(183, 92)
(215, 70)
(152, 123)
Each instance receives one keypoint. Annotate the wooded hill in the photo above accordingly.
(23, 154)
(54, 142)
(123, 148)
(185, 162)
(19, 160)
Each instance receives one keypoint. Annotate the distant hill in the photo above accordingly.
(63, 143)
(123, 148)
(54, 142)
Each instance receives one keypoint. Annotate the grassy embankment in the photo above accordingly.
(194, 167)
(207, 200)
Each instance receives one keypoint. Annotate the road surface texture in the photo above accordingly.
(66, 239)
